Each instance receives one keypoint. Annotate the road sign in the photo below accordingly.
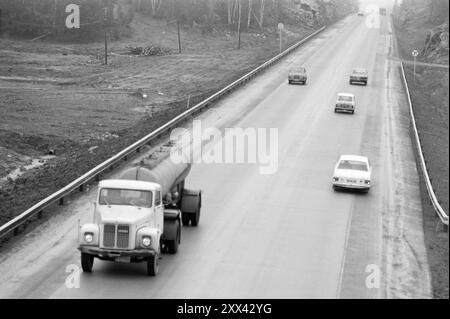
(415, 54)
(280, 26)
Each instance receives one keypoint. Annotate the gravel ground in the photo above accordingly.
(430, 96)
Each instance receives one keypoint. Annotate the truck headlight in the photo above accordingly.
(367, 182)
(335, 179)
(146, 241)
(88, 237)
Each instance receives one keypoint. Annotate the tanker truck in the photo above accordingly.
(139, 215)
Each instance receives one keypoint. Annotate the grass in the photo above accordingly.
(430, 97)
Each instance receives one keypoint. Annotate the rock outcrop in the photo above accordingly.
(436, 45)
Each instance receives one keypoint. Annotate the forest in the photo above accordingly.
(37, 17)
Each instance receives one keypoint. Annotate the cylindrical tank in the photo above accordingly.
(167, 173)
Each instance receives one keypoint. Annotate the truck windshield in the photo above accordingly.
(125, 197)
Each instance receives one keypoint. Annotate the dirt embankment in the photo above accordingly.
(430, 96)
(423, 26)
(420, 26)
(61, 98)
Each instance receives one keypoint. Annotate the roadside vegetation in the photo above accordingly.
(423, 25)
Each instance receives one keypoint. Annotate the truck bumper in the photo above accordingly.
(109, 254)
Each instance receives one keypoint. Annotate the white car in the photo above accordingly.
(359, 75)
(298, 75)
(345, 103)
(353, 172)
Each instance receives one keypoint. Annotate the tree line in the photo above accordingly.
(36, 17)
(437, 11)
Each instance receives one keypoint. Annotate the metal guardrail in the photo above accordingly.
(17, 222)
(437, 207)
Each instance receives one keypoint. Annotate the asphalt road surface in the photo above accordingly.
(285, 235)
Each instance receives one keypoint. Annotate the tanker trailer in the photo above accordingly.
(171, 177)
(139, 216)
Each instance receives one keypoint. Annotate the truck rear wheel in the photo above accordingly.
(185, 219)
(172, 245)
(191, 204)
(195, 218)
(87, 262)
(153, 265)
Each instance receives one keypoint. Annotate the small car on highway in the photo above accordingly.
(345, 103)
(352, 172)
(361, 14)
(298, 75)
(359, 75)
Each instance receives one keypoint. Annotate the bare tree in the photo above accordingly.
(249, 18)
(229, 11)
(261, 13)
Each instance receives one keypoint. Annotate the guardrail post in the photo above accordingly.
(81, 188)
(440, 226)
(61, 201)
(40, 214)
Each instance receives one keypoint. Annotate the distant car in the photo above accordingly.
(345, 103)
(360, 13)
(359, 75)
(298, 75)
(353, 172)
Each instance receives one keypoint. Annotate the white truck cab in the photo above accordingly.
(135, 220)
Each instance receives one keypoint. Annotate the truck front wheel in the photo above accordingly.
(153, 265)
(87, 262)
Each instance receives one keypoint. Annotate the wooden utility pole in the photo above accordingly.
(55, 11)
(0, 21)
(179, 36)
(106, 36)
(239, 24)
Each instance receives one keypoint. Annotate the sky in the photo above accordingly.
(380, 3)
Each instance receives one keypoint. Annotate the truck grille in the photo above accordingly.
(116, 237)
(109, 236)
(123, 235)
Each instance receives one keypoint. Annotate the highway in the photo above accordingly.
(285, 235)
